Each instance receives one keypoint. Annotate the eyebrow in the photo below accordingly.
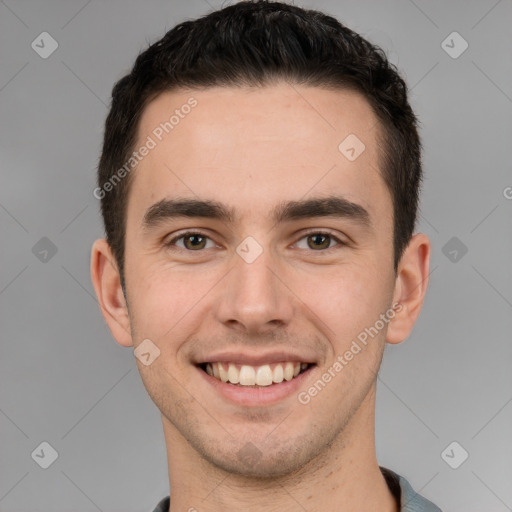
(331, 206)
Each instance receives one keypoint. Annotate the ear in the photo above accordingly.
(107, 284)
(410, 287)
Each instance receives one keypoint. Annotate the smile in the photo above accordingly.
(255, 376)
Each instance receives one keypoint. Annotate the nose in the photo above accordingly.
(254, 298)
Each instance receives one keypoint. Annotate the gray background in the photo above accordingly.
(65, 381)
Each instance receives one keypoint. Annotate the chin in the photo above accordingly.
(260, 466)
(267, 458)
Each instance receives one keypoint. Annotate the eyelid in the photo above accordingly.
(320, 231)
(172, 242)
(308, 232)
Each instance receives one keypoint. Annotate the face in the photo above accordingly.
(256, 241)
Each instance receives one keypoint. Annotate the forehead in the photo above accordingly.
(254, 147)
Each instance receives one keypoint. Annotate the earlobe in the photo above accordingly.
(410, 288)
(107, 284)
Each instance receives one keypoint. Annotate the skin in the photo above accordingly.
(251, 149)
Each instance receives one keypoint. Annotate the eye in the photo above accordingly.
(192, 241)
(319, 240)
(195, 241)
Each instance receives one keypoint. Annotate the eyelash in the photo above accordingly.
(172, 242)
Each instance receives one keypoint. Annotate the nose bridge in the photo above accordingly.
(253, 297)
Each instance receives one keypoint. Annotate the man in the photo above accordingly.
(259, 187)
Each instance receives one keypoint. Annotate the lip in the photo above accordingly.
(258, 359)
(257, 397)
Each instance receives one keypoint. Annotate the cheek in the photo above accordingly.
(166, 302)
(156, 303)
(346, 301)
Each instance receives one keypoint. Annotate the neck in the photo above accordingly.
(344, 477)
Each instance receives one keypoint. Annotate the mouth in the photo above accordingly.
(248, 376)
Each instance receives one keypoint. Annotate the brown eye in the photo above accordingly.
(319, 241)
(192, 241)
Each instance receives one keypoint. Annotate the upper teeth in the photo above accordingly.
(246, 375)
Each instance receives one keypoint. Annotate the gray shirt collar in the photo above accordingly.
(409, 500)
